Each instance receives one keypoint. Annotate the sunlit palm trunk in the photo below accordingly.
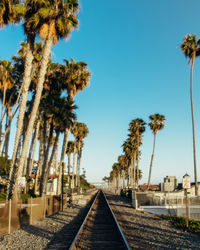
(69, 165)
(151, 164)
(39, 166)
(45, 172)
(27, 170)
(49, 164)
(34, 147)
(73, 167)
(22, 109)
(64, 148)
(77, 165)
(42, 72)
(193, 128)
(79, 168)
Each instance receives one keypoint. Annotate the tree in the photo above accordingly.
(157, 123)
(53, 20)
(80, 131)
(136, 129)
(11, 11)
(124, 162)
(191, 50)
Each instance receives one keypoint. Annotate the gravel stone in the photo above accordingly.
(147, 231)
(54, 232)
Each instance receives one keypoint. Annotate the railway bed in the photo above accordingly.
(100, 229)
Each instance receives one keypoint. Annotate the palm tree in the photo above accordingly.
(83, 132)
(136, 129)
(123, 161)
(53, 20)
(80, 131)
(11, 11)
(157, 123)
(6, 83)
(77, 77)
(130, 149)
(29, 55)
(191, 50)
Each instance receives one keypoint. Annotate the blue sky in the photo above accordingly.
(132, 49)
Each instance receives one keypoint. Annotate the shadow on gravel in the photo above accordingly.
(64, 238)
(31, 229)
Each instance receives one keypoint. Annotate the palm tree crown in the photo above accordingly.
(157, 122)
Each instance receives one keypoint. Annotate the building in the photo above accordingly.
(169, 185)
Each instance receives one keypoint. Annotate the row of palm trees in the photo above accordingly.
(41, 92)
(126, 171)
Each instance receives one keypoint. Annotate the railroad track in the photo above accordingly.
(100, 229)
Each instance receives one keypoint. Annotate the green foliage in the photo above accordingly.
(4, 166)
(84, 184)
(2, 196)
(180, 222)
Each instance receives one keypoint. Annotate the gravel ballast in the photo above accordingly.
(54, 232)
(141, 229)
(147, 231)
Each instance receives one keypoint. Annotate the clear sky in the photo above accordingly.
(132, 48)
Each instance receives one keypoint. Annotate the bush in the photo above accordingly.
(180, 222)
(2, 196)
(4, 166)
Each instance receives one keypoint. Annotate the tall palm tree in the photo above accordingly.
(75, 78)
(6, 83)
(157, 123)
(130, 150)
(53, 20)
(123, 161)
(83, 132)
(28, 55)
(136, 129)
(191, 50)
(80, 131)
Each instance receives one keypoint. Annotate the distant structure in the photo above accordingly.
(99, 184)
(169, 185)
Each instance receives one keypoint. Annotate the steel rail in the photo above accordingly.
(118, 226)
(82, 225)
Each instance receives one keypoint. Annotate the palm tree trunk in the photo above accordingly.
(42, 72)
(30, 154)
(34, 148)
(73, 167)
(79, 168)
(193, 128)
(64, 148)
(45, 172)
(48, 165)
(8, 134)
(40, 161)
(7, 131)
(151, 164)
(77, 164)
(69, 164)
(22, 107)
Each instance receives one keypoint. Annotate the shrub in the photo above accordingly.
(180, 222)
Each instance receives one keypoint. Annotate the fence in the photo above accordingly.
(13, 214)
(167, 203)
